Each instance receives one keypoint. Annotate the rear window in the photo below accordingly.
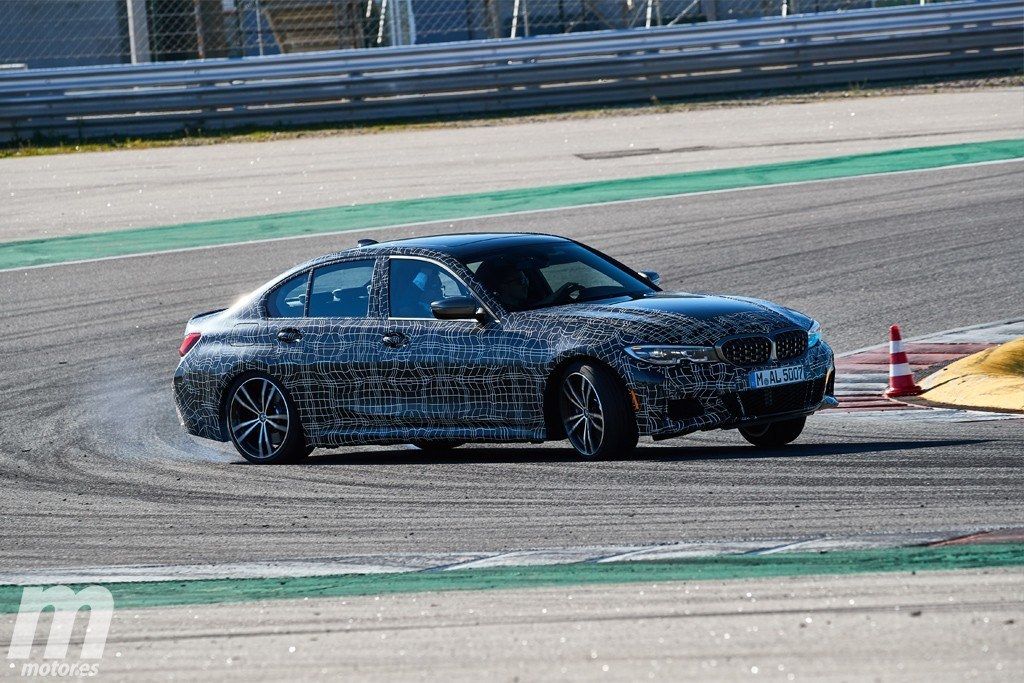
(289, 299)
(341, 290)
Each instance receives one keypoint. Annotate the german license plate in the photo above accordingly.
(776, 376)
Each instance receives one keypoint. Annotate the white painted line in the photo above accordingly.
(785, 547)
(389, 563)
(873, 389)
(990, 333)
(357, 564)
(872, 541)
(920, 414)
(504, 214)
(848, 377)
(990, 338)
(679, 551)
(533, 558)
(861, 389)
(980, 333)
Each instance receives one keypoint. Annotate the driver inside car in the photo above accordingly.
(509, 283)
(512, 286)
(428, 282)
(416, 287)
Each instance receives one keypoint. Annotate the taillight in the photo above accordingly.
(188, 342)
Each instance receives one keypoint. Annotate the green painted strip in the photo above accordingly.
(167, 593)
(22, 253)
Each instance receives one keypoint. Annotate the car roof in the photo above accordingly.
(455, 245)
(468, 242)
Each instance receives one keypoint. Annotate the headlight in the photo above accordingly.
(671, 355)
(813, 334)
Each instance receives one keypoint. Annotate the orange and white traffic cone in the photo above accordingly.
(901, 378)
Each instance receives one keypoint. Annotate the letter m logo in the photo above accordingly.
(66, 605)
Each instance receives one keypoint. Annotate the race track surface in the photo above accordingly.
(94, 468)
(862, 627)
(67, 194)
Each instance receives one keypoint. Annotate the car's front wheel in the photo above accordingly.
(262, 421)
(597, 420)
(774, 434)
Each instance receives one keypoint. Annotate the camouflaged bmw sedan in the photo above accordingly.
(497, 337)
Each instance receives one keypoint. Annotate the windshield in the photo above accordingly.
(527, 277)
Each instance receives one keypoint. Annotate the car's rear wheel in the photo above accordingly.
(774, 434)
(597, 420)
(262, 421)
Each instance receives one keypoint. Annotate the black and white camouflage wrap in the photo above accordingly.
(466, 381)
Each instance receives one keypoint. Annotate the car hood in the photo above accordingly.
(681, 317)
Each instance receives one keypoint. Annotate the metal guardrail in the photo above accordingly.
(505, 75)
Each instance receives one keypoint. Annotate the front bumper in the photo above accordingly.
(692, 397)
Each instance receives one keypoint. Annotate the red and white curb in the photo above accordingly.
(390, 563)
(863, 375)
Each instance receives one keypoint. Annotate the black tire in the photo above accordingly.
(437, 445)
(774, 434)
(598, 421)
(262, 421)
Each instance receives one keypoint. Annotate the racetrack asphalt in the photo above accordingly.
(94, 468)
(928, 626)
(74, 194)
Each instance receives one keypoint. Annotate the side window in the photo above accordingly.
(415, 284)
(289, 299)
(341, 290)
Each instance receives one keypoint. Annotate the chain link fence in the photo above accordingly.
(47, 33)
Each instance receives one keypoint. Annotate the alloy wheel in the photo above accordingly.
(259, 418)
(582, 414)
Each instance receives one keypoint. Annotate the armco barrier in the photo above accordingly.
(504, 75)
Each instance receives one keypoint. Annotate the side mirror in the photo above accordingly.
(651, 276)
(458, 308)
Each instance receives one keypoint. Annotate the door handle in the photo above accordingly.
(394, 340)
(289, 335)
